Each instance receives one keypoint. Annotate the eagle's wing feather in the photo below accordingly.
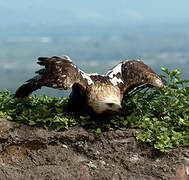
(57, 73)
(131, 73)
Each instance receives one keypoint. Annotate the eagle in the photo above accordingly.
(92, 92)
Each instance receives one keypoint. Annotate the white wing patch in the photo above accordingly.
(112, 74)
(116, 80)
(114, 71)
(85, 76)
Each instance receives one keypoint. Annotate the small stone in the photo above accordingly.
(187, 170)
(186, 161)
(134, 158)
(97, 152)
(64, 146)
(91, 165)
(102, 162)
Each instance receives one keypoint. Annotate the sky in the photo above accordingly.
(93, 12)
(25, 20)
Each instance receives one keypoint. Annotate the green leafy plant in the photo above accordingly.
(162, 114)
(46, 112)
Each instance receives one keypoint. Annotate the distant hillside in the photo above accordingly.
(92, 48)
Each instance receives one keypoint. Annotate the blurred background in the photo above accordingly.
(96, 35)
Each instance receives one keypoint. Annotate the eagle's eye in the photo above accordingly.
(110, 104)
(113, 107)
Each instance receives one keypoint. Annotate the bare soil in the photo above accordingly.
(76, 154)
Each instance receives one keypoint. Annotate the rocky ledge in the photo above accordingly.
(35, 153)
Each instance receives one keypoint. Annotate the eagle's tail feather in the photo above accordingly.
(25, 90)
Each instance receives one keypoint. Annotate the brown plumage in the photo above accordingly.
(101, 93)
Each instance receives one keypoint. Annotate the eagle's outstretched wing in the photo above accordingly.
(131, 73)
(57, 73)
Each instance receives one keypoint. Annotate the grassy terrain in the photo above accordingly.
(162, 114)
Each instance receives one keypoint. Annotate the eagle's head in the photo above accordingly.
(109, 103)
(105, 99)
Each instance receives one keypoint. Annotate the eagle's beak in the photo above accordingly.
(118, 107)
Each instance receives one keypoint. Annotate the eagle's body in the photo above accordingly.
(100, 93)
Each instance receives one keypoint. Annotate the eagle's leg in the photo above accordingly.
(77, 103)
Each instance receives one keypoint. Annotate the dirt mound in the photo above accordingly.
(35, 153)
